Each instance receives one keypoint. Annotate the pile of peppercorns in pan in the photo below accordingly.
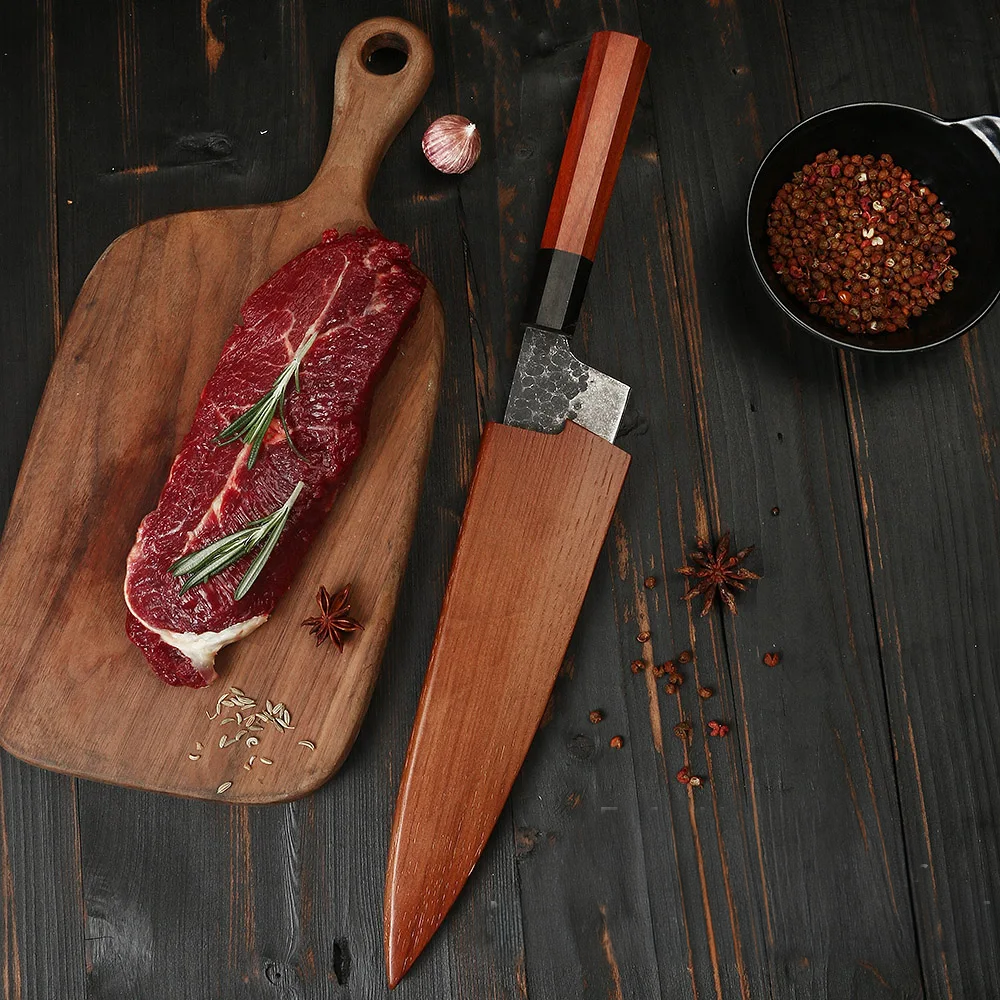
(861, 242)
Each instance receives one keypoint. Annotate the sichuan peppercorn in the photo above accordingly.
(860, 242)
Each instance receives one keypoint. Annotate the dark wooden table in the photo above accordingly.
(845, 843)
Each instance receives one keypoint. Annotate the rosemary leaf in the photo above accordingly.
(251, 426)
(269, 542)
(203, 564)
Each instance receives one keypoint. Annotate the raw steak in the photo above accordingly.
(361, 292)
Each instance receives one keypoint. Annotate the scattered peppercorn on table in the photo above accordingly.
(796, 800)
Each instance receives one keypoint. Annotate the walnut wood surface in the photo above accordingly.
(535, 520)
(141, 341)
(609, 90)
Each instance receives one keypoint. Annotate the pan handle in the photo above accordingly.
(987, 128)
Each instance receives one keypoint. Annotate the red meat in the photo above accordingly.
(362, 293)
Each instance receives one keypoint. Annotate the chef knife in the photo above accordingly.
(542, 495)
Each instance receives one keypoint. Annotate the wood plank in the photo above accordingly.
(811, 769)
(929, 500)
(715, 84)
(300, 903)
(42, 919)
(479, 952)
(585, 878)
(199, 865)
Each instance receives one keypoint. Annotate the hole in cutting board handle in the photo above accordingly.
(385, 54)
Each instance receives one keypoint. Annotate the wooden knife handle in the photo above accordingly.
(605, 104)
(537, 515)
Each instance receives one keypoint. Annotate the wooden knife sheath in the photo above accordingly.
(535, 520)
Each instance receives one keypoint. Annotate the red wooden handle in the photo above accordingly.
(595, 143)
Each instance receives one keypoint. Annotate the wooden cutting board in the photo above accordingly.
(144, 335)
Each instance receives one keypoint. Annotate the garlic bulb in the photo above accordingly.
(452, 144)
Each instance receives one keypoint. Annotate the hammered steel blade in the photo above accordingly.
(552, 385)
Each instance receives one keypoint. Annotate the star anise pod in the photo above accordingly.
(334, 620)
(717, 572)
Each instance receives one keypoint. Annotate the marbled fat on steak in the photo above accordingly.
(361, 292)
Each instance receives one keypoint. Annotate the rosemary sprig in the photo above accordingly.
(201, 565)
(251, 426)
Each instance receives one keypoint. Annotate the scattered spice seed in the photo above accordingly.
(676, 679)
(705, 692)
(649, 583)
(224, 787)
(596, 715)
(694, 781)
(198, 746)
(684, 731)
(717, 573)
(684, 775)
(194, 756)
(772, 659)
(252, 721)
(637, 666)
(861, 242)
(616, 743)
(671, 689)
(775, 511)
(716, 728)
(642, 637)
(685, 657)
(659, 670)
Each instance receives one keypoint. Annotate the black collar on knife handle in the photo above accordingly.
(605, 104)
(557, 287)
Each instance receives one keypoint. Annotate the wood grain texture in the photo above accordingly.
(868, 754)
(41, 948)
(803, 821)
(924, 442)
(537, 513)
(162, 299)
(609, 89)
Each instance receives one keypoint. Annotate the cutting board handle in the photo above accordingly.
(369, 109)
